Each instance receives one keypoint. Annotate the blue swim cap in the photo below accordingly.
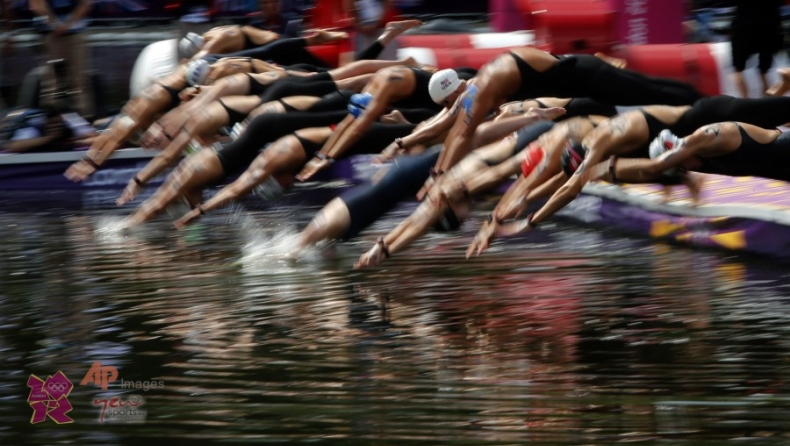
(358, 102)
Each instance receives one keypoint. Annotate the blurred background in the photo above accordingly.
(117, 30)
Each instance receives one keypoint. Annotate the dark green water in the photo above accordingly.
(566, 336)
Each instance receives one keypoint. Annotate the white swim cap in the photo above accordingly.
(443, 83)
(189, 45)
(664, 142)
(657, 148)
(196, 72)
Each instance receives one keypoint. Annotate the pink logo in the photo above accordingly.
(48, 398)
(445, 83)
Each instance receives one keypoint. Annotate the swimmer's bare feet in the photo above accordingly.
(666, 194)
(394, 117)
(695, 183)
(548, 114)
(322, 36)
(394, 29)
(613, 61)
(411, 62)
(781, 87)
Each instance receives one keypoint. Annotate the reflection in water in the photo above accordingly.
(566, 336)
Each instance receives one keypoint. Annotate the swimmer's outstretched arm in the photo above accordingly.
(459, 140)
(720, 136)
(511, 205)
(484, 180)
(573, 187)
(203, 124)
(282, 156)
(187, 180)
(137, 114)
(430, 210)
(417, 224)
(349, 131)
(235, 85)
(425, 133)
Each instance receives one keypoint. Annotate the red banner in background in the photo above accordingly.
(644, 22)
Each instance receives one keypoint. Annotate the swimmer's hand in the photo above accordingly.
(492, 229)
(79, 171)
(375, 256)
(514, 208)
(388, 154)
(513, 228)
(187, 218)
(129, 193)
(483, 239)
(313, 166)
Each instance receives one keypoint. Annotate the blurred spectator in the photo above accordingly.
(62, 23)
(295, 7)
(272, 18)
(369, 18)
(756, 29)
(6, 26)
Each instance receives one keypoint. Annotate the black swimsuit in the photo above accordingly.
(310, 147)
(584, 75)
(763, 112)
(540, 104)
(587, 107)
(420, 97)
(248, 43)
(256, 88)
(288, 107)
(529, 79)
(654, 125)
(233, 115)
(367, 202)
(175, 100)
(751, 158)
(266, 128)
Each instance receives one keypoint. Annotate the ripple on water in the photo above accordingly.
(565, 336)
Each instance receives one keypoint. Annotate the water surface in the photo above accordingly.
(568, 335)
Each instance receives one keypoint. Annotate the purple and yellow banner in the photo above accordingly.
(741, 214)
